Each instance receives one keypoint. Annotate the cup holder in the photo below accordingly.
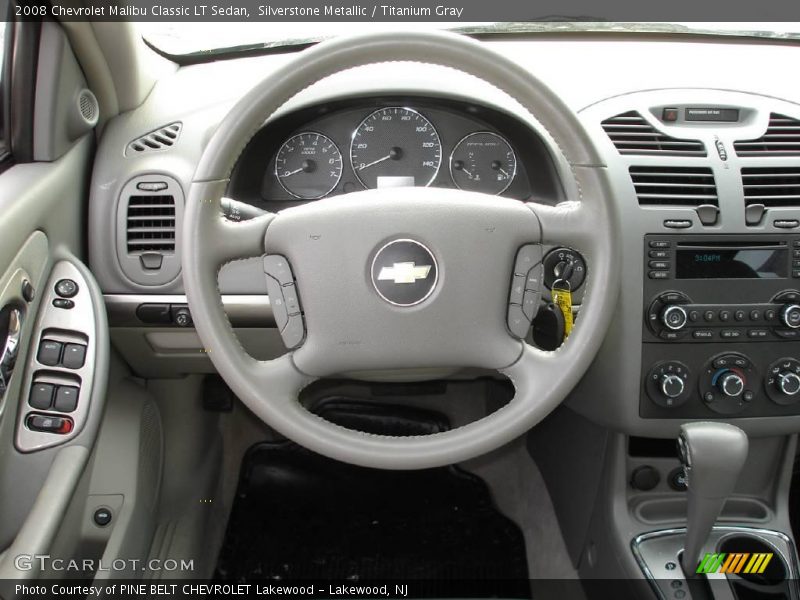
(772, 584)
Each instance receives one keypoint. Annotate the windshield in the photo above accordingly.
(193, 38)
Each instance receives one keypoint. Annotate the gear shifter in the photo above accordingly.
(713, 455)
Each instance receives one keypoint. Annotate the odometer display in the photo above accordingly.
(308, 165)
(395, 145)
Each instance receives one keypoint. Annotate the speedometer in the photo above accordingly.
(395, 147)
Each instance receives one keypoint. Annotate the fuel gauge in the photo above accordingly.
(483, 162)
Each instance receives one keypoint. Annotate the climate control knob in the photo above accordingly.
(788, 383)
(790, 316)
(672, 386)
(674, 317)
(731, 384)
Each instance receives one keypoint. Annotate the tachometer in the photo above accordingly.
(395, 146)
(483, 162)
(308, 165)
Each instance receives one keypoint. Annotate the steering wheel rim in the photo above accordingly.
(270, 388)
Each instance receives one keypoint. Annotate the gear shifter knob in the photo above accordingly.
(713, 455)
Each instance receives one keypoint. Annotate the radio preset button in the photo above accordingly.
(755, 314)
(694, 316)
(739, 315)
(708, 315)
(724, 315)
(769, 314)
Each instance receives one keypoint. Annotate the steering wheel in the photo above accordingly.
(400, 278)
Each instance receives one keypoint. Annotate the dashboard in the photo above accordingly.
(702, 155)
(340, 147)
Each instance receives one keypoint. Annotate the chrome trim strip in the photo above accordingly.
(243, 310)
(723, 530)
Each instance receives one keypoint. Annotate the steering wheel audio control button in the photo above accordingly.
(528, 257)
(284, 300)
(518, 323)
(277, 267)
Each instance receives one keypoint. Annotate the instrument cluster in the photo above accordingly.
(341, 148)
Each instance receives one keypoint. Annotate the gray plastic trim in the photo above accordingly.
(129, 261)
(67, 325)
(242, 310)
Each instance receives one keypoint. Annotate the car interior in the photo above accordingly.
(497, 314)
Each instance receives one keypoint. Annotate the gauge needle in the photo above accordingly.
(293, 172)
(375, 162)
(503, 172)
(467, 172)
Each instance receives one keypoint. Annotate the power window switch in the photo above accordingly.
(66, 398)
(49, 353)
(49, 424)
(74, 356)
(41, 395)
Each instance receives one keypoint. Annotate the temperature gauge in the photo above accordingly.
(483, 162)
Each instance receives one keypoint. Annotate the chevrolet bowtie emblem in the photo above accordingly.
(404, 272)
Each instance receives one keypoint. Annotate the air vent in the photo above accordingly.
(771, 186)
(151, 224)
(631, 134)
(674, 186)
(781, 139)
(160, 139)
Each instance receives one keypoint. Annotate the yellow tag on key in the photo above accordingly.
(562, 298)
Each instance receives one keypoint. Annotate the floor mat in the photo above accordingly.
(300, 516)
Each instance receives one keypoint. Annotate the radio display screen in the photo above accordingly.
(731, 263)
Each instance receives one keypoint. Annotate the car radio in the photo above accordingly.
(722, 289)
(719, 311)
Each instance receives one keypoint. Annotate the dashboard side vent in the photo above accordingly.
(674, 186)
(151, 224)
(158, 139)
(771, 186)
(782, 138)
(631, 134)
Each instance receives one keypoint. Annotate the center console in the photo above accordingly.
(721, 326)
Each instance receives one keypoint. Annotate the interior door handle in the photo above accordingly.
(11, 325)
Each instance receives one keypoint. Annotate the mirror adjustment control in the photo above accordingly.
(66, 288)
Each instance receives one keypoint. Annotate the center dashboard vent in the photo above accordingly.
(632, 134)
(782, 138)
(674, 186)
(771, 186)
(151, 224)
(158, 139)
